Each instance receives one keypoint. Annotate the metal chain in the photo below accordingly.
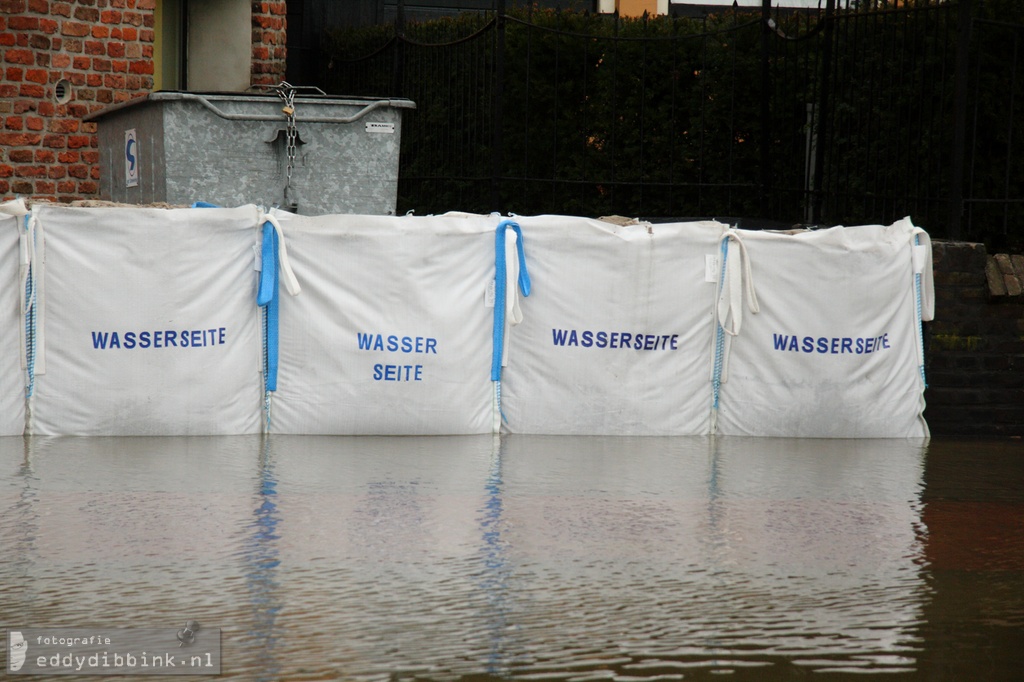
(286, 92)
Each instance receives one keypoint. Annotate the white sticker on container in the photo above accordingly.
(131, 159)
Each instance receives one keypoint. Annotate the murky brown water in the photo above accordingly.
(539, 558)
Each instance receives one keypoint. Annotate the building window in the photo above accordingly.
(169, 39)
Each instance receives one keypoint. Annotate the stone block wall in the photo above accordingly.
(975, 346)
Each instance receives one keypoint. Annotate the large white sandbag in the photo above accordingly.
(392, 331)
(149, 324)
(835, 351)
(12, 293)
(616, 332)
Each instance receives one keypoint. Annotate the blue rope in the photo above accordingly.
(266, 370)
(716, 381)
(30, 328)
(497, 397)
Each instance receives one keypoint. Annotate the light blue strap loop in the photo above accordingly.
(267, 298)
(29, 328)
(268, 267)
(500, 293)
(274, 265)
(204, 204)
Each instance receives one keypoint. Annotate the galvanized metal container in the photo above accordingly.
(334, 156)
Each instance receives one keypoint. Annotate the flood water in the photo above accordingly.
(534, 558)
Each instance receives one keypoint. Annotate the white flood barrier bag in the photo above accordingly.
(615, 334)
(13, 276)
(150, 319)
(392, 331)
(836, 349)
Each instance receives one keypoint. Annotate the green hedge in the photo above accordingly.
(663, 117)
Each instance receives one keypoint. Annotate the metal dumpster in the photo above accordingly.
(332, 155)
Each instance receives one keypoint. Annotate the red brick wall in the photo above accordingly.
(268, 42)
(104, 49)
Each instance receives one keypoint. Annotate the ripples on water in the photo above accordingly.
(543, 558)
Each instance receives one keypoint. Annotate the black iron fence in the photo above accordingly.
(860, 113)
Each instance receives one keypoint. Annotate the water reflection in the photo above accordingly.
(494, 581)
(720, 555)
(974, 514)
(529, 557)
(260, 556)
(19, 510)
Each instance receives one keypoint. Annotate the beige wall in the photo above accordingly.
(636, 8)
(219, 45)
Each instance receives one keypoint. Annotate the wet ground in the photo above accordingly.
(535, 558)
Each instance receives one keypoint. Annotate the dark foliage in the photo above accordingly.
(842, 121)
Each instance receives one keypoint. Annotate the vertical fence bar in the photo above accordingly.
(956, 178)
(823, 114)
(398, 70)
(552, 186)
(766, 91)
(672, 117)
(731, 142)
(703, 110)
(614, 124)
(497, 103)
(587, 125)
(1009, 136)
(641, 176)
